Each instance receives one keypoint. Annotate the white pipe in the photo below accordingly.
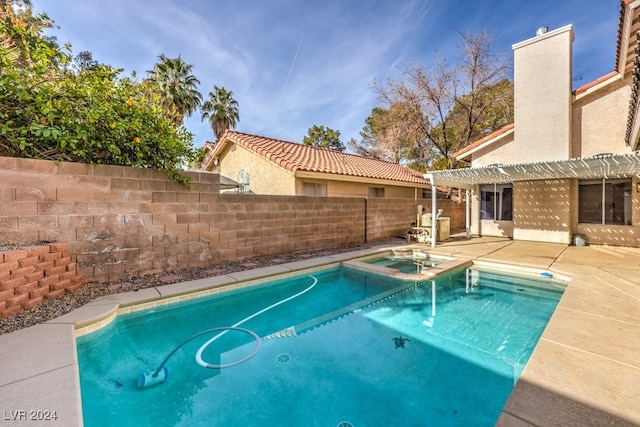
(434, 209)
(206, 344)
(467, 219)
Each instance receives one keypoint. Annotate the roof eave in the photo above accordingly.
(464, 155)
(302, 174)
(627, 12)
(597, 84)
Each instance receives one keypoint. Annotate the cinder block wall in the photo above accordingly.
(455, 212)
(121, 222)
(32, 274)
(388, 217)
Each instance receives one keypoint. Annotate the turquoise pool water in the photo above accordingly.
(359, 349)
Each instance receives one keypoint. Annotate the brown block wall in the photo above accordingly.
(392, 217)
(389, 217)
(121, 222)
(32, 274)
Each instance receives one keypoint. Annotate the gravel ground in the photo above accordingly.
(56, 307)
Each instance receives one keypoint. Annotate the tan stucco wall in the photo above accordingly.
(542, 96)
(264, 176)
(542, 210)
(267, 178)
(489, 227)
(599, 120)
(501, 151)
(359, 189)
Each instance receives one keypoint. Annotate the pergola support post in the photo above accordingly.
(467, 219)
(434, 210)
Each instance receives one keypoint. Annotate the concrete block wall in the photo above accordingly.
(32, 274)
(388, 217)
(455, 212)
(121, 222)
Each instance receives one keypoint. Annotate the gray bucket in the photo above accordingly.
(579, 240)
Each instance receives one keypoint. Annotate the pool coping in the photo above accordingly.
(566, 381)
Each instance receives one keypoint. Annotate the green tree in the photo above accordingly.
(456, 102)
(21, 41)
(96, 116)
(84, 61)
(320, 136)
(221, 110)
(177, 86)
(390, 134)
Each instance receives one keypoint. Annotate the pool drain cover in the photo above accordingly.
(283, 358)
(345, 424)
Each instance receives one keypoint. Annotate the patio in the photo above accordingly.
(584, 371)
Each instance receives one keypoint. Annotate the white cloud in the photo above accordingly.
(249, 47)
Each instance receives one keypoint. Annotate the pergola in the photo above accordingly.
(602, 166)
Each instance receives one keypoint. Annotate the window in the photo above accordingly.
(376, 191)
(314, 189)
(604, 201)
(496, 201)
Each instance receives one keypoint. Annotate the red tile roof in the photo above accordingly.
(597, 81)
(487, 138)
(297, 157)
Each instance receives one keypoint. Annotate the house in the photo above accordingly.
(568, 168)
(264, 165)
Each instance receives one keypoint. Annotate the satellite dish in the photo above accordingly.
(243, 180)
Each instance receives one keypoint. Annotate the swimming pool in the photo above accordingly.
(356, 349)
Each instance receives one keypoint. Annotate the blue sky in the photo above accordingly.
(294, 63)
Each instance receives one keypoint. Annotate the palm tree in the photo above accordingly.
(221, 110)
(177, 86)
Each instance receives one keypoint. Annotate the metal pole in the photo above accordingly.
(604, 200)
(467, 219)
(434, 209)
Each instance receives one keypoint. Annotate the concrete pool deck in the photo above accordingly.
(584, 371)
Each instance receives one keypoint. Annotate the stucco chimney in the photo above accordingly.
(542, 96)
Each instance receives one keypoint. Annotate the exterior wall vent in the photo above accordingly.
(542, 30)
